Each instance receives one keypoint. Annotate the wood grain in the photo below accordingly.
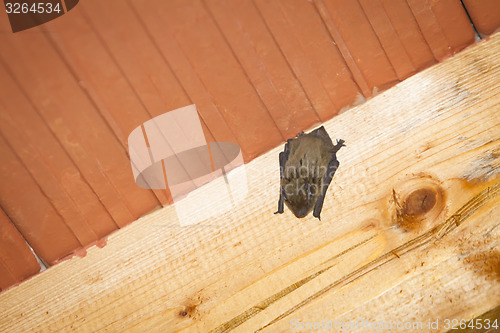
(381, 252)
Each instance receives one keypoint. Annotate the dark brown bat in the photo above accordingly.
(307, 166)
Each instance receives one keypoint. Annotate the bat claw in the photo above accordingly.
(340, 144)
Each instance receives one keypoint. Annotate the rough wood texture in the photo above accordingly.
(409, 232)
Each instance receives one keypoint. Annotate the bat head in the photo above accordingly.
(300, 194)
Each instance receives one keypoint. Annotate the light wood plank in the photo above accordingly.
(249, 270)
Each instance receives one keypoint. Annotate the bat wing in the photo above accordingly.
(327, 179)
(283, 158)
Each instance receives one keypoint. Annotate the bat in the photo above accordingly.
(307, 166)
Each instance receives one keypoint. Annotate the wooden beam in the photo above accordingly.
(409, 232)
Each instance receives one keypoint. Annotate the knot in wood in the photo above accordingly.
(419, 202)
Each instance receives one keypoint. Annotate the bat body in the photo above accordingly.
(307, 166)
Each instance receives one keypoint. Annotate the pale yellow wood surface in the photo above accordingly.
(250, 270)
